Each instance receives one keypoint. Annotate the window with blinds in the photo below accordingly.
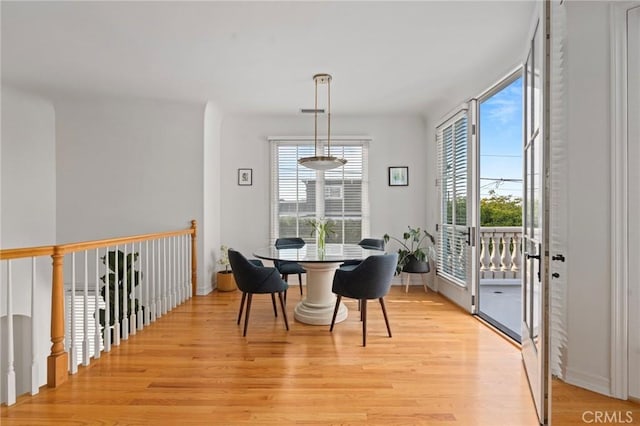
(452, 140)
(299, 194)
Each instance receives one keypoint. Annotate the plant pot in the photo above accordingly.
(225, 281)
(415, 266)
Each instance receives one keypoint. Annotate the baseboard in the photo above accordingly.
(592, 382)
(204, 291)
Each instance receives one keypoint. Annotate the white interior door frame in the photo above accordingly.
(620, 201)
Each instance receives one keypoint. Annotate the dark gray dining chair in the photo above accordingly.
(371, 279)
(287, 268)
(366, 243)
(254, 279)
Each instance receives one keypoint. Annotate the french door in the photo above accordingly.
(535, 241)
(456, 157)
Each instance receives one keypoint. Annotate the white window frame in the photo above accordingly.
(276, 141)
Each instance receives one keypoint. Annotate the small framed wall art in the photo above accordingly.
(398, 176)
(245, 177)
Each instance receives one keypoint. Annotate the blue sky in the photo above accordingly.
(501, 141)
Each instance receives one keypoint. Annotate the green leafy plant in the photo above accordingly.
(224, 259)
(126, 269)
(323, 227)
(416, 243)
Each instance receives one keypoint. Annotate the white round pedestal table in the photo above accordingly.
(318, 305)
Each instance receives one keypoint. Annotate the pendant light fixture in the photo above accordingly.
(321, 162)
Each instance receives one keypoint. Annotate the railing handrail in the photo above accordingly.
(515, 229)
(22, 252)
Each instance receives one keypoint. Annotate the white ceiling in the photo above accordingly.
(259, 57)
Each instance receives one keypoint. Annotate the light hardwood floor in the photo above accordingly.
(194, 367)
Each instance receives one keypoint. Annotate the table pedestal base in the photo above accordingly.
(317, 308)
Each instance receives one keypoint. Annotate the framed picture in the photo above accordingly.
(398, 176)
(245, 177)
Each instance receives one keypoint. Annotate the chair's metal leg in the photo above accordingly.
(335, 311)
(244, 296)
(384, 312)
(246, 317)
(273, 302)
(364, 322)
(360, 308)
(300, 282)
(284, 313)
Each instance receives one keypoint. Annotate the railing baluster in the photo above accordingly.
(85, 340)
(11, 374)
(35, 371)
(147, 289)
(96, 311)
(132, 292)
(176, 288)
(485, 259)
(125, 296)
(495, 252)
(116, 301)
(505, 257)
(154, 284)
(169, 276)
(141, 283)
(106, 331)
(73, 359)
(183, 289)
(517, 256)
(165, 286)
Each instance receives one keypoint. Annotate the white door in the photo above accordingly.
(534, 329)
(456, 234)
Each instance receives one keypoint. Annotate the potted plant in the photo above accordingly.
(225, 280)
(125, 267)
(416, 248)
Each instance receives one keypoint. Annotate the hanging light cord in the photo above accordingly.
(328, 117)
(315, 114)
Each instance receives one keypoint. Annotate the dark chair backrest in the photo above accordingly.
(372, 244)
(371, 279)
(251, 278)
(292, 242)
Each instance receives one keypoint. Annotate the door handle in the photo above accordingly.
(532, 256)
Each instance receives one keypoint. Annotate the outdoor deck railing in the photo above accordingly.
(90, 324)
(500, 252)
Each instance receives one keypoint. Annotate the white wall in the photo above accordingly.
(28, 204)
(396, 141)
(211, 194)
(127, 167)
(589, 184)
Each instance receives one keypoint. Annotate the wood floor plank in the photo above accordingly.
(192, 366)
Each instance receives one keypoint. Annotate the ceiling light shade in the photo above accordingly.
(322, 162)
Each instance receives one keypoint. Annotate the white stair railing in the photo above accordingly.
(158, 281)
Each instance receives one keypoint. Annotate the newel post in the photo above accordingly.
(194, 258)
(58, 360)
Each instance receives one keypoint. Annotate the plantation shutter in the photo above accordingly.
(452, 138)
(299, 193)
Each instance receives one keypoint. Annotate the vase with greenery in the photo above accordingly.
(416, 248)
(225, 280)
(322, 227)
(125, 268)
